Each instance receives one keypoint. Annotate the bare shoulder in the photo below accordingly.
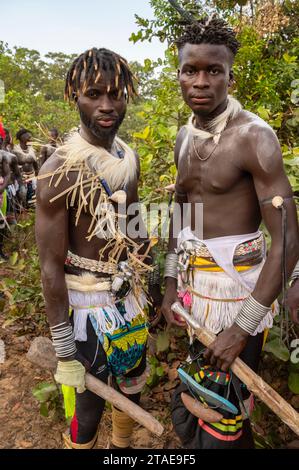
(259, 142)
(52, 164)
(178, 144)
(50, 183)
(8, 157)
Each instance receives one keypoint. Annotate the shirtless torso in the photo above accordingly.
(235, 180)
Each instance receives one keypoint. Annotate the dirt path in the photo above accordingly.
(25, 428)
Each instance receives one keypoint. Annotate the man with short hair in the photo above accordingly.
(49, 149)
(14, 188)
(4, 181)
(7, 143)
(88, 264)
(229, 160)
(28, 163)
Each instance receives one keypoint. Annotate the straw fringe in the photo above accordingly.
(216, 315)
(92, 164)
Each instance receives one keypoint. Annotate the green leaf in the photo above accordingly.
(142, 135)
(289, 59)
(147, 65)
(160, 371)
(163, 341)
(263, 112)
(293, 382)
(43, 391)
(13, 258)
(274, 333)
(294, 367)
(277, 348)
(43, 409)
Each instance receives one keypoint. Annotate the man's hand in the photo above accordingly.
(155, 308)
(156, 296)
(226, 347)
(293, 301)
(170, 297)
(71, 373)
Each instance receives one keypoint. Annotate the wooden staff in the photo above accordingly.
(253, 382)
(42, 354)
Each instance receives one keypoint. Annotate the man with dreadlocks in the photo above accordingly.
(228, 160)
(90, 266)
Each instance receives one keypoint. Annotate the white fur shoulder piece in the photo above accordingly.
(116, 171)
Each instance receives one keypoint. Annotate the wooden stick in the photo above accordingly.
(253, 381)
(42, 354)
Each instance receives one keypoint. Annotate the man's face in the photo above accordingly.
(25, 138)
(53, 135)
(204, 76)
(102, 112)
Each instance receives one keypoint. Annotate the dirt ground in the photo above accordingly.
(23, 427)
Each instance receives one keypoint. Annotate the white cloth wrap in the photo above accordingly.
(229, 284)
(96, 304)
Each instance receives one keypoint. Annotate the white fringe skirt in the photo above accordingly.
(218, 303)
(101, 306)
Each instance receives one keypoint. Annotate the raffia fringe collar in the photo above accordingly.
(116, 171)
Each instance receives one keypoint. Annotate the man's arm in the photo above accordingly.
(51, 232)
(15, 169)
(293, 295)
(43, 155)
(5, 175)
(270, 180)
(35, 166)
(52, 241)
(180, 198)
(266, 167)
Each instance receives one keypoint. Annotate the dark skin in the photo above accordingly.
(29, 163)
(48, 150)
(55, 227)
(7, 143)
(245, 169)
(4, 171)
(14, 167)
(293, 301)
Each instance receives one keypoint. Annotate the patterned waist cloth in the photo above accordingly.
(213, 296)
(119, 324)
(196, 255)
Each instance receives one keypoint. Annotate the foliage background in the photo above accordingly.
(266, 73)
(266, 83)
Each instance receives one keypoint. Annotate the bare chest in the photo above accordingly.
(207, 168)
